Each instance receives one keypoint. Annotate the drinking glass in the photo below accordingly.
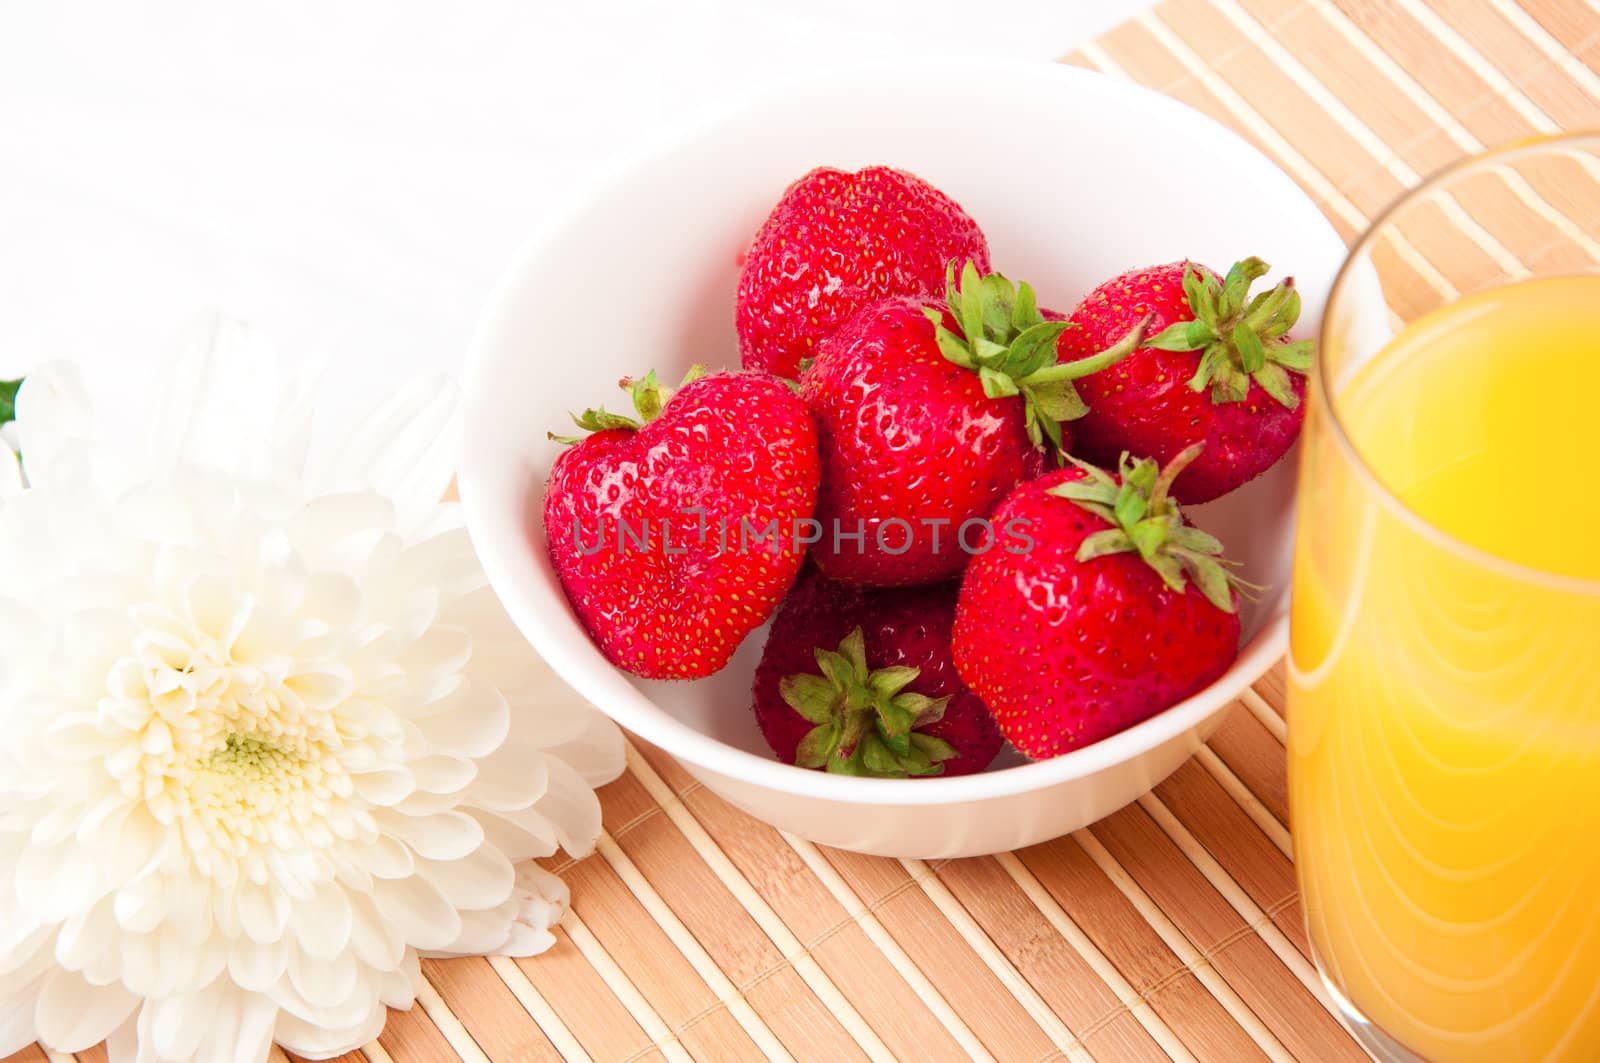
(1444, 670)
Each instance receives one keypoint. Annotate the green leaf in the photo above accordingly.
(1025, 313)
(878, 758)
(1085, 491)
(968, 306)
(1191, 538)
(1286, 316)
(935, 749)
(926, 710)
(895, 719)
(810, 695)
(1148, 536)
(836, 667)
(1252, 356)
(887, 682)
(8, 400)
(1059, 401)
(996, 384)
(647, 397)
(989, 352)
(854, 651)
(954, 348)
(999, 301)
(1297, 356)
(1202, 290)
(601, 420)
(899, 744)
(847, 765)
(1176, 337)
(1104, 543)
(1034, 349)
(1236, 286)
(1212, 579)
(1274, 380)
(916, 762)
(1131, 505)
(1229, 383)
(817, 747)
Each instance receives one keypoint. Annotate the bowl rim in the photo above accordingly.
(614, 694)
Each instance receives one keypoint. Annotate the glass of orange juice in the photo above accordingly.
(1444, 670)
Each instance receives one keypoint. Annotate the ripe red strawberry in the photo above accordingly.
(657, 531)
(1219, 369)
(1119, 609)
(928, 414)
(836, 242)
(860, 682)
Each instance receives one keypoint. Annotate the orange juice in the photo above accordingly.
(1445, 702)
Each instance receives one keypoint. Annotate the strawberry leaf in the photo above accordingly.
(1242, 335)
(935, 749)
(812, 696)
(817, 747)
(1143, 519)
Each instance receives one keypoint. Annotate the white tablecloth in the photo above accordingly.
(352, 177)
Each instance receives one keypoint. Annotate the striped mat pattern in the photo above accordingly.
(1171, 929)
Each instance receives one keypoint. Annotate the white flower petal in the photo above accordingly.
(444, 773)
(598, 754)
(322, 923)
(514, 839)
(439, 836)
(177, 1024)
(329, 982)
(480, 880)
(256, 967)
(258, 749)
(222, 401)
(418, 911)
(406, 450)
(573, 807)
(73, 1015)
(240, 1031)
(10, 472)
(263, 912)
(314, 1042)
(374, 942)
(16, 1017)
(53, 416)
(476, 723)
(507, 782)
(400, 985)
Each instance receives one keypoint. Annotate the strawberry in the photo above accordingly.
(675, 538)
(928, 414)
(860, 682)
(836, 242)
(1117, 610)
(1219, 369)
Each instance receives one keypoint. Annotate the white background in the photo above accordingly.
(352, 177)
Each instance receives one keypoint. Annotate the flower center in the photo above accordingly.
(234, 752)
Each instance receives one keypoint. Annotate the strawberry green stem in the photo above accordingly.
(1146, 520)
(649, 399)
(1006, 340)
(866, 721)
(1240, 338)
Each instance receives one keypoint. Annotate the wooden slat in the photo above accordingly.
(1171, 929)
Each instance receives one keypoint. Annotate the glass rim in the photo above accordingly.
(1322, 394)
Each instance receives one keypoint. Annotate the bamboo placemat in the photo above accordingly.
(1171, 929)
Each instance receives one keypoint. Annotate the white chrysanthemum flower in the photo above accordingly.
(266, 735)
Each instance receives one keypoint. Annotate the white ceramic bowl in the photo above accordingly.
(1074, 177)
